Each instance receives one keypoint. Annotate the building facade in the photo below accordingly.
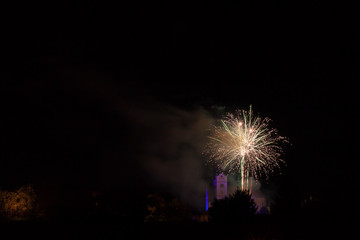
(220, 184)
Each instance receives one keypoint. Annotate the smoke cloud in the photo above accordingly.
(170, 151)
(159, 144)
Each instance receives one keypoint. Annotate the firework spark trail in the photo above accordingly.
(245, 144)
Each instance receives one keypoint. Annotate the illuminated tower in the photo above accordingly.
(220, 184)
(206, 201)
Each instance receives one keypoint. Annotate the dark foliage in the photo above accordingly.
(234, 208)
(169, 211)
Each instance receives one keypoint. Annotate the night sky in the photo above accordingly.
(100, 96)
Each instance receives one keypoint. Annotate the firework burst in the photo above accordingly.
(245, 144)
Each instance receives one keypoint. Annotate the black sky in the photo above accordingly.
(81, 77)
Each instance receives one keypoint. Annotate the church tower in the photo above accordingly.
(220, 184)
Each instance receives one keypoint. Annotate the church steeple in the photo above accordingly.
(206, 200)
(220, 183)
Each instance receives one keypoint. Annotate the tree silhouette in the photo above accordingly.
(161, 210)
(235, 208)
